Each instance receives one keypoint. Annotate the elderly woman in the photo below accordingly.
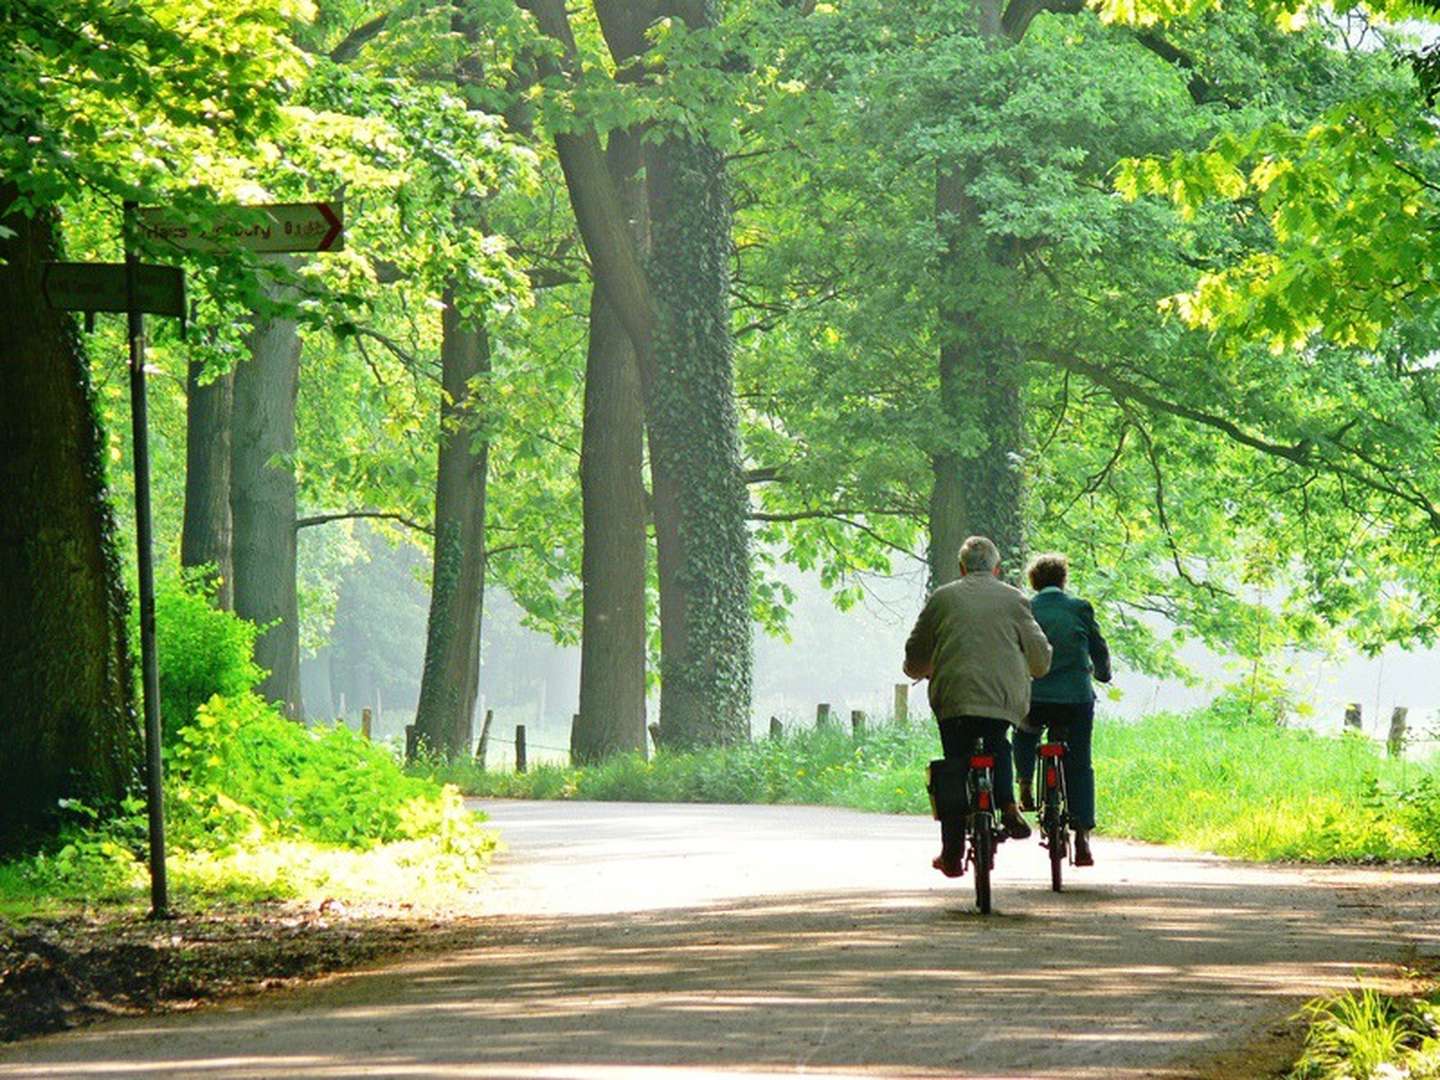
(1063, 700)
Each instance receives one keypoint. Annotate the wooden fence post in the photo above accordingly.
(520, 762)
(822, 716)
(857, 723)
(777, 729)
(365, 722)
(1352, 716)
(409, 742)
(484, 746)
(902, 702)
(1395, 744)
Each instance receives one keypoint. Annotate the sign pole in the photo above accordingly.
(150, 681)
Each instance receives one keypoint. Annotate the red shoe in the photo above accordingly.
(950, 863)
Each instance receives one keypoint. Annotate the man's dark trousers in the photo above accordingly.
(957, 739)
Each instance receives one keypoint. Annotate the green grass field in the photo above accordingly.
(1198, 780)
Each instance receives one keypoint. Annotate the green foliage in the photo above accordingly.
(1367, 1034)
(203, 651)
(259, 807)
(1223, 779)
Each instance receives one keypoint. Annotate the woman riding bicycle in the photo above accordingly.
(1064, 699)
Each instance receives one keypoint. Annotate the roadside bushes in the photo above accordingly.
(1214, 779)
(257, 806)
(1369, 1035)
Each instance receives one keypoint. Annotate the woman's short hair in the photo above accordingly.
(1049, 569)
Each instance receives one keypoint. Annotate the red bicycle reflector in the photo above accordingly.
(1051, 779)
(982, 762)
(1052, 749)
(984, 800)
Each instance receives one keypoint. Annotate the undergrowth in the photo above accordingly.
(257, 807)
(1210, 780)
(1369, 1035)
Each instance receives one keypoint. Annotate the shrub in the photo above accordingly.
(203, 651)
(1365, 1034)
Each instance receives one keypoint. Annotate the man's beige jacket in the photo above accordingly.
(984, 646)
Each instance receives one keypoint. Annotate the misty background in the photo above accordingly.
(849, 660)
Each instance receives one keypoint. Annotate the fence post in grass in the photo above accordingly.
(484, 745)
(520, 761)
(857, 723)
(1395, 744)
(1352, 716)
(365, 722)
(822, 716)
(409, 742)
(902, 703)
(777, 729)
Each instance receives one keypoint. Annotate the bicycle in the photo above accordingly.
(1054, 806)
(976, 803)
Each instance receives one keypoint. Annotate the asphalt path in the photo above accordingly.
(664, 942)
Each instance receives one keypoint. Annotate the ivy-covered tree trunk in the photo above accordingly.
(205, 537)
(262, 502)
(612, 646)
(978, 488)
(449, 683)
(67, 714)
(700, 499)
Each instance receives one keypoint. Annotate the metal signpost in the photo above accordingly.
(135, 289)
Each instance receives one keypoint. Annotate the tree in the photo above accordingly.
(675, 308)
(67, 687)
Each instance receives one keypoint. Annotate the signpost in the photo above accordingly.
(277, 227)
(71, 286)
(135, 289)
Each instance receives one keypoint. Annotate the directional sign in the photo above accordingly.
(75, 286)
(311, 226)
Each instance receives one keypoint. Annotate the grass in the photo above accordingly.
(1204, 780)
(1369, 1035)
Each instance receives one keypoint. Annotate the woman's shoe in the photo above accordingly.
(1082, 848)
(1015, 825)
(1027, 796)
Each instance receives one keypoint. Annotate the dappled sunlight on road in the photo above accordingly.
(1162, 961)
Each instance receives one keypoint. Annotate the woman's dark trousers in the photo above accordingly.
(1073, 724)
(957, 739)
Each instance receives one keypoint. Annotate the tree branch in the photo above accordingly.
(346, 515)
(358, 38)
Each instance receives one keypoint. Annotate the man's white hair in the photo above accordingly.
(979, 555)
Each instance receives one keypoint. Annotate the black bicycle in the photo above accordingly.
(982, 828)
(1054, 806)
(964, 789)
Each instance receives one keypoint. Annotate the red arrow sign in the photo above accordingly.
(312, 226)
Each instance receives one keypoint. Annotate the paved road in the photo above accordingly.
(686, 942)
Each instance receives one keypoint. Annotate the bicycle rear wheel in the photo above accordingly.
(1055, 839)
(984, 853)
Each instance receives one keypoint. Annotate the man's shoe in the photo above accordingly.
(1082, 848)
(1027, 796)
(1015, 826)
(950, 863)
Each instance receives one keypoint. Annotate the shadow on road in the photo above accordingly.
(1119, 980)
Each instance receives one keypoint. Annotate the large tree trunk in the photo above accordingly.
(978, 491)
(206, 535)
(67, 715)
(676, 311)
(262, 501)
(449, 684)
(700, 499)
(612, 647)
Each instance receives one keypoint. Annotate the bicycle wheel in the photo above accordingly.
(984, 854)
(1055, 838)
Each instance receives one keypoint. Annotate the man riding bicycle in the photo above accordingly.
(979, 646)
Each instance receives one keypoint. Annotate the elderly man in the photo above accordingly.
(979, 646)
